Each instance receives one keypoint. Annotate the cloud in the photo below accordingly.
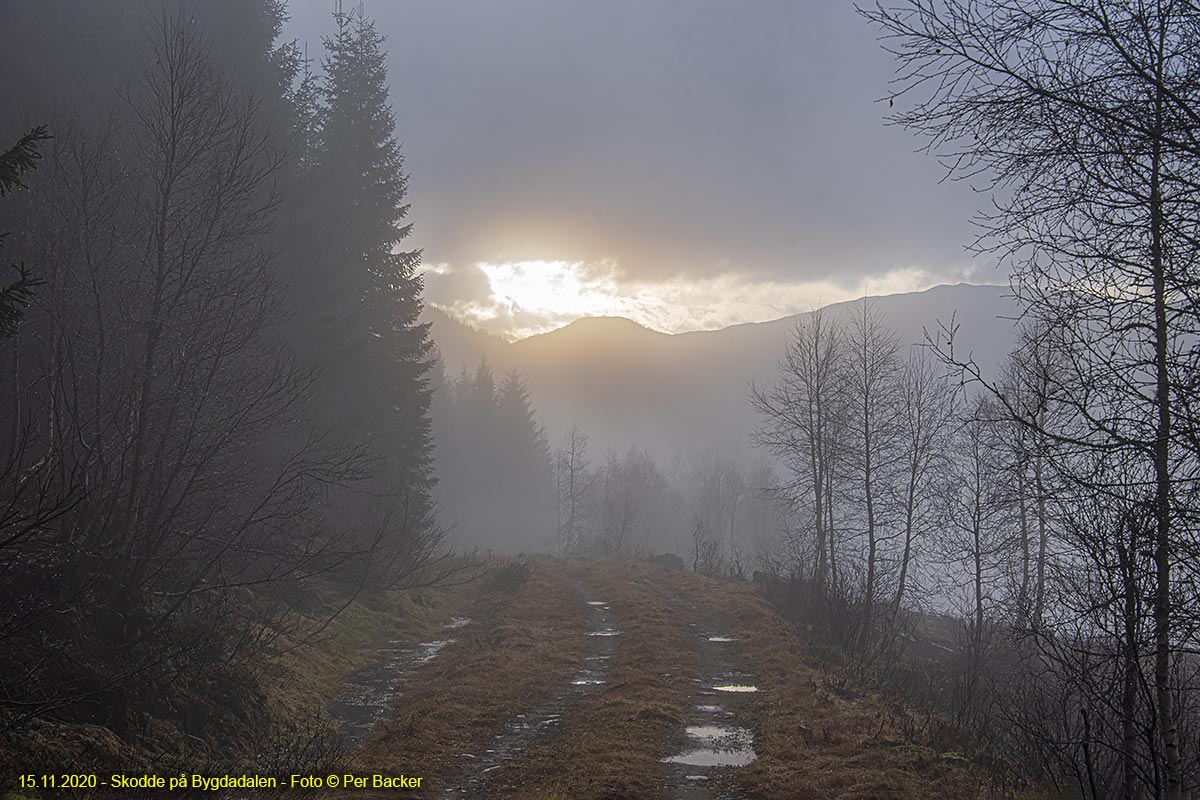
(518, 299)
(446, 285)
(687, 141)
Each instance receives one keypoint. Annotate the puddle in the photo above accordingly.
(723, 746)
(428, 650)
(366, 698)
(718, 733)
(712, 758)
(604, 633)
(597, 602)
(710, 746)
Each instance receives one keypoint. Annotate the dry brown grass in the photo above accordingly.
(520, 647)
(812, 741)
(816, 737)
(288, 687)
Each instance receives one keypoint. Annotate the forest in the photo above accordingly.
(258, 517)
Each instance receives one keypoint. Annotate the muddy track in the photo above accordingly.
(479, 770)
(528, 706)
(367, 694)
(715, 741)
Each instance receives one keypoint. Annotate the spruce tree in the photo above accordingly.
(375, 354)
(524, 467)
(524, 440)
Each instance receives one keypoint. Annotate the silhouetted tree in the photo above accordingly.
(146, 390)
(800, 422)
(573, 486)
(1085, 117)
(925, 419)
(871, 370)
(357, 295)
(15, 162)
(495, 475)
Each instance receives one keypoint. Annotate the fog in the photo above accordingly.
(546, 400)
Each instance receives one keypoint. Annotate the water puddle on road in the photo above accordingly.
(712, 758)
(713, 746)
(720, 746)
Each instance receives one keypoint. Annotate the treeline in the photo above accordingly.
(950, 544)
(867, 434)
(1055, 503)
(502, 487)
(218, 390)
(495, 490)
(710, 506)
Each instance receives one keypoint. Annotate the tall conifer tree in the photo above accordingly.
(374, 352)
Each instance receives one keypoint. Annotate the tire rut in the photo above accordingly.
(712, 745)
(367, 694)
(526, 729)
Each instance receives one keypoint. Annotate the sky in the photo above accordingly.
(689, 164)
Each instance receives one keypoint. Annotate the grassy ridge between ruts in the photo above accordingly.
(609, 744)
(521, 645)
(814, 742)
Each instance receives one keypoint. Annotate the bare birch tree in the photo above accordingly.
(800, 418)
(1085, 117)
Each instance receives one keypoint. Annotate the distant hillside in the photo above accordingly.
(676, 394)
(460, 344)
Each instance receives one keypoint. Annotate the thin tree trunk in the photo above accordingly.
(872, 544)
(1130, 666)
(1023, 517)
(1162, 480)
(1039, 598)
(909, 509)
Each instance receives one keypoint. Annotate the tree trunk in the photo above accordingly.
(1162, 484)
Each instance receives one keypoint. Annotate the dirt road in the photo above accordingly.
(605, 679)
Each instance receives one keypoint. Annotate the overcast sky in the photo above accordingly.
(687, 163)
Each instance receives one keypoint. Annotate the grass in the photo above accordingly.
(610, 743)
(288, 692)
(815, 739)
(521, 646)
(309, 678)
(816, 736)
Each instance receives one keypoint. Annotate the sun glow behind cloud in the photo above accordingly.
(557, 288)
(516, 299)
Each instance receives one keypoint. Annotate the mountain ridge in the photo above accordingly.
(674, 394)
